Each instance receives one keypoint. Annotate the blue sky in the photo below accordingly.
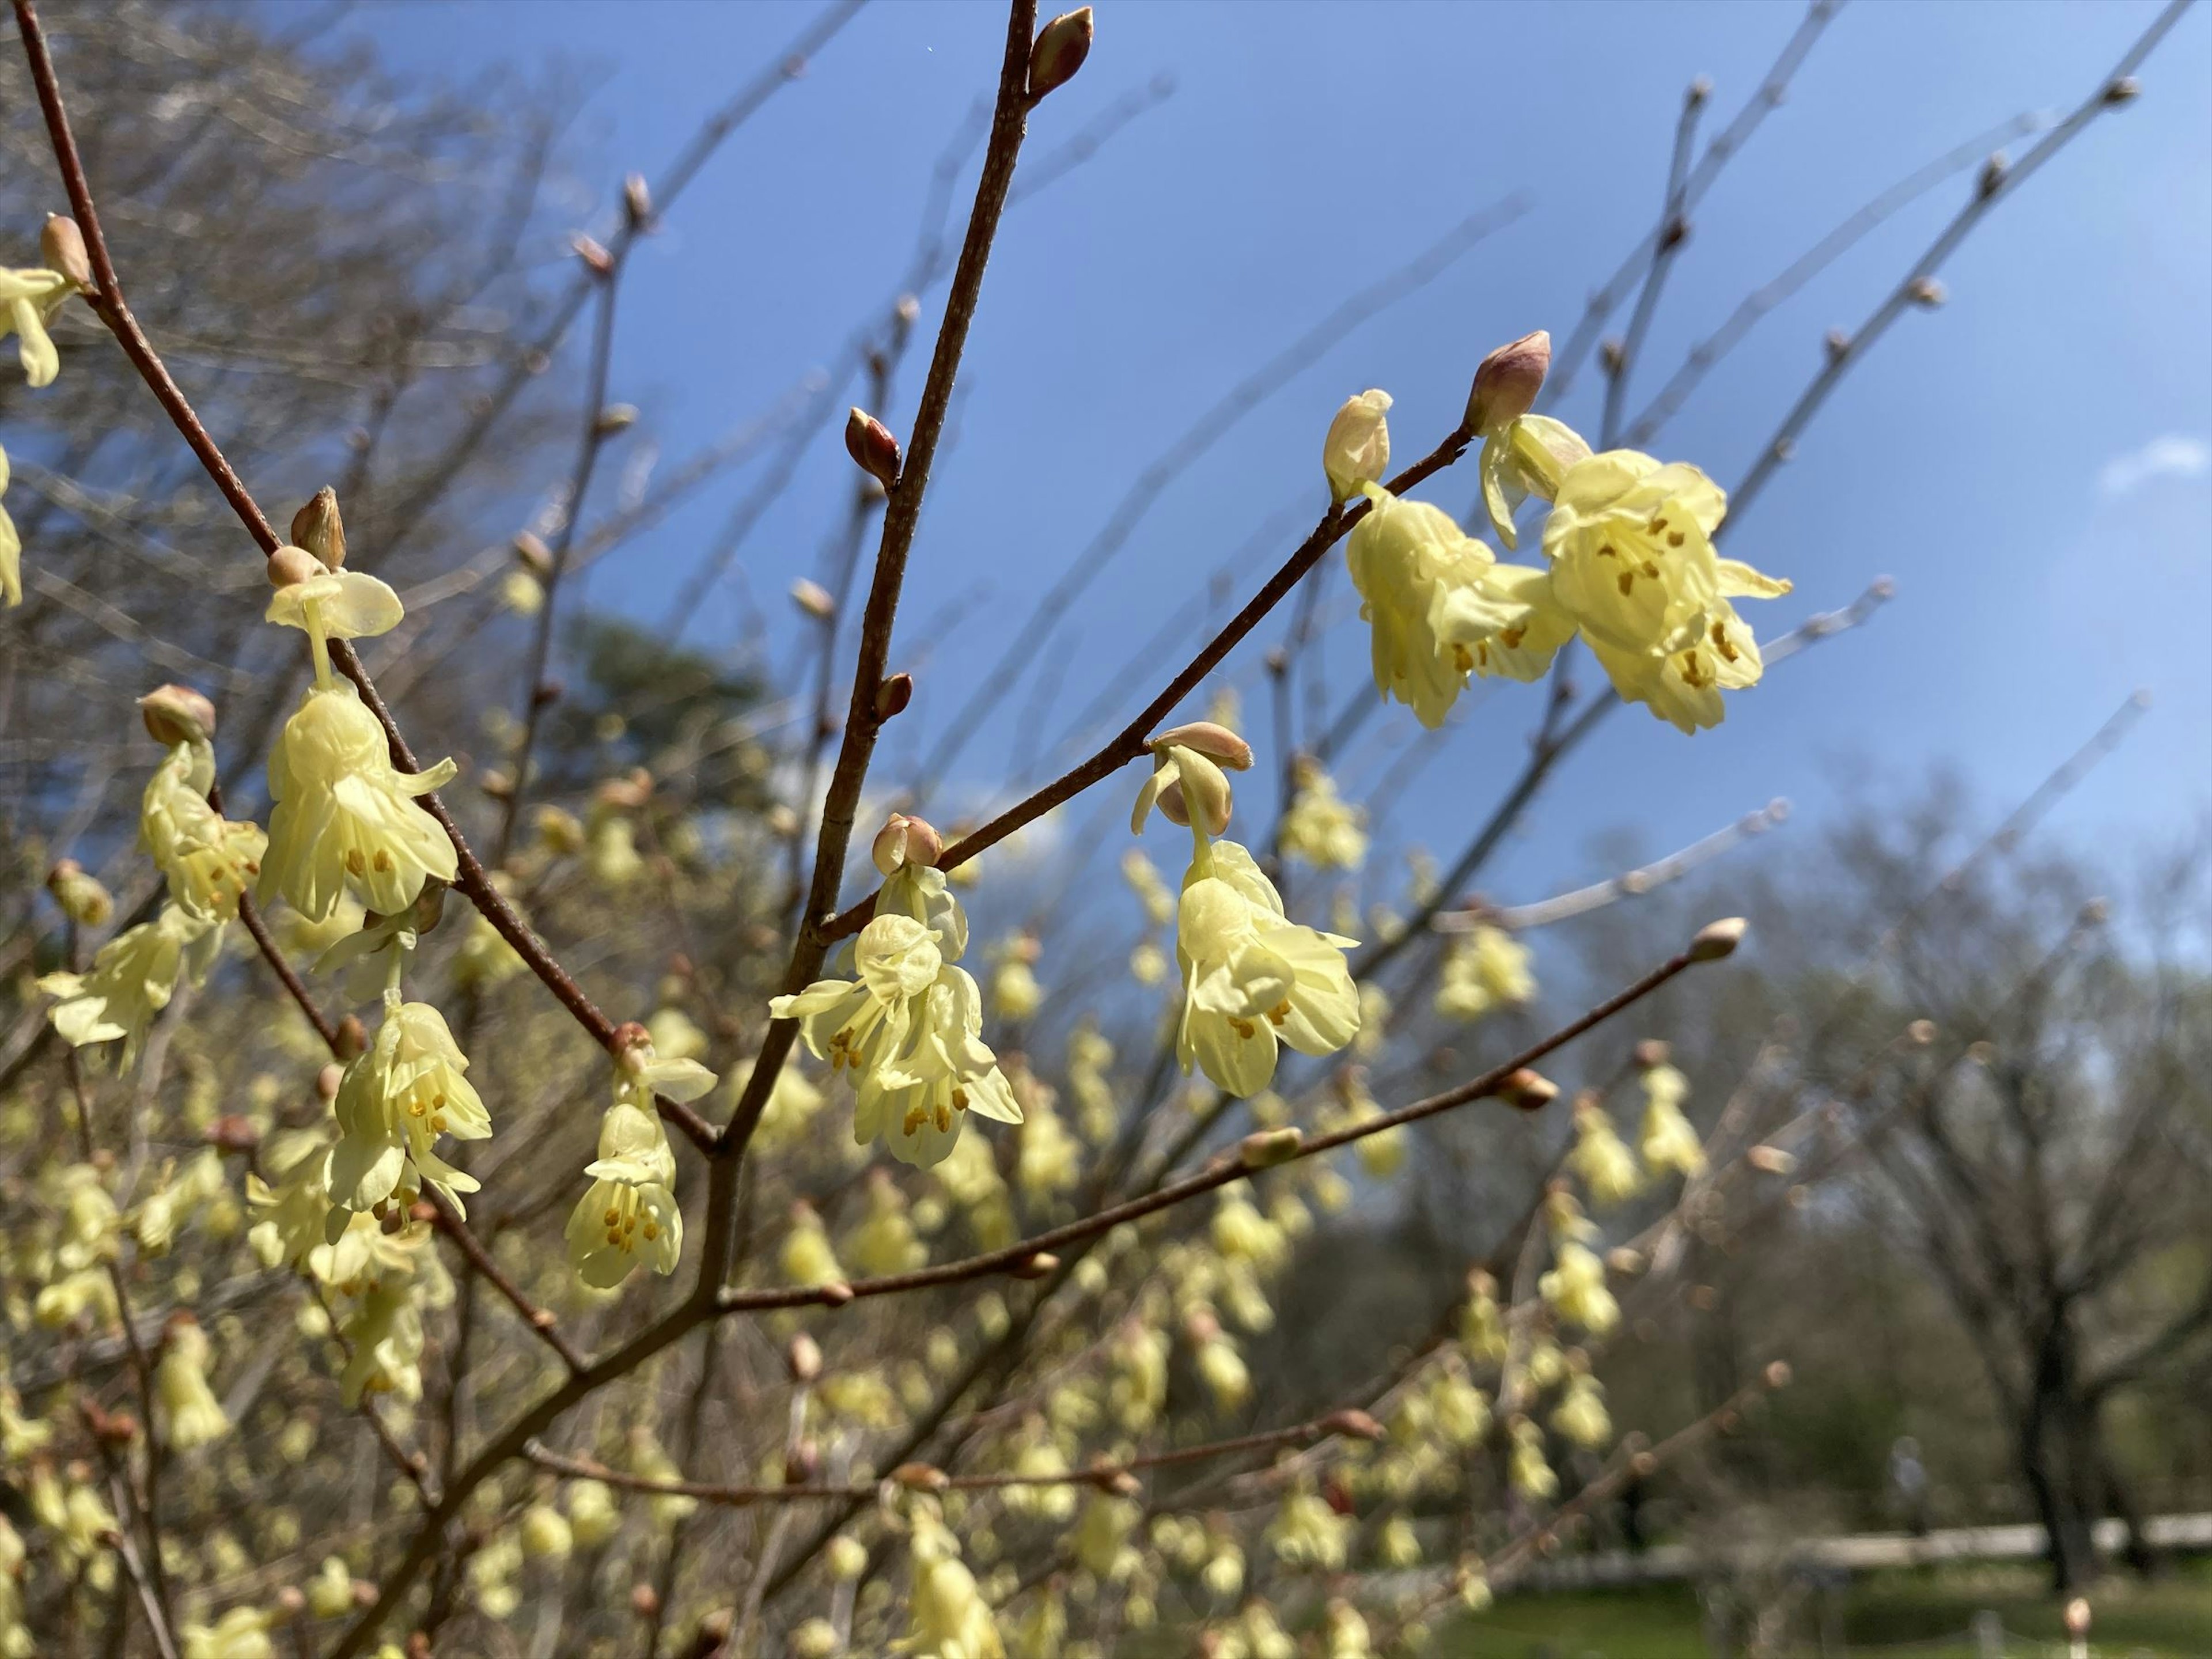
(2030, 462)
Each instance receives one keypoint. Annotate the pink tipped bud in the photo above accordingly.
(1216, 743)
(803, 1359)
(595, 256)
(903, 839)
(871, 447)
(177, 713)
(1061, 47)
(1354, 1425)
(1507, 384)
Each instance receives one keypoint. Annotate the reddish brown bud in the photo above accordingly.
(1354, 1425)
(1035, 1266)
(177, 713)
(920, 1477)
(1506, 383)
(1061, 46)
(834, 1294)
(1527, 1091)
(871, 447)
(232, 1132)
(644, 1599)
(893, 695)
(353, 1038)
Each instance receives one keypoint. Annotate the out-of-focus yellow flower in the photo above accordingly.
(1599, 1157)
(1322, 827)
(1307, 1532)
(949, 1617)
(11, 549)
(240, 1633)
(1581, 1415)
(190, 1414)
(1669, 1142)
(807, 1256)
(133, 976)
(1487, 968)
(1525, 1467)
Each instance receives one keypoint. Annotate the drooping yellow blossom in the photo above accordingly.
(1151, 892)
(345, 815)
(29, 301)
(1439, 607)
(854, 1023)
(1527, 456)
(916, 1094)
(1015, 994)
(1608, 1169)
(384, 1282)
(629, 1210)
(787, 1117)
(208, 858)
(1531, 1475)
(646, 1457)
(190, 1415)
(1633, 560)
(1487, 968)
(949, 1617)
(1308, 1532)
(593, 1516)
(885, 1242)
(1581, 1415)
(1669, 1142)
(330, 1592)
(11, 548)
(1576, 1288)
(1322, 827)
(1252, 978)
(299, 1207)
(132, 978)
(807, 1256)
(1089, 1063)
(394, 1101)
(240, 1633)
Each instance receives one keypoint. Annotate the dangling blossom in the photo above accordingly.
(1525, 1467)
(1439, 607)
(1669, 1142)
(29, 301)
(949, 1619)
(208, 859)
(1322, 827)
(394, 1101)
(345, 815)
(11, 548)
(1574, 1287)
(1633, 560)
(132, 978)
(910, 1027)
(1599, 1157)
(1486, 969)
(1581, 1415)
(190, 1415)
(630, 1211)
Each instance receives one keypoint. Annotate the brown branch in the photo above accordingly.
(540, 1320)
(1023, 1256)
(1130, 742)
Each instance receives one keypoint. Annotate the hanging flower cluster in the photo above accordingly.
(29, 301)
(1252, 979)
(909, 1026)
(1630, 564)
(629, 1214)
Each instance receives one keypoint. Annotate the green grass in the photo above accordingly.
(2168, 1619)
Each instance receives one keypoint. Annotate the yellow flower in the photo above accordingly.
(11, 549)
(1633, 563)
(1599, 1157)
(299, 1207)
(345, 815)
(1322, 827)
(1581, 1415)
(132, 979)
(1487, 968)
(393, 1104)
(1576, 1287)
(207, 857)
(630, 1208)
(808, 1258)
(1669, 1142)
(1531, 1477)
(917, 1091)
(1525, 456)
(949, 1617)
(28, 303)
(1438, 606)
(190, 1414)
(241, 1633)
(1251, 977)
(853, 1022)
(1358, 448)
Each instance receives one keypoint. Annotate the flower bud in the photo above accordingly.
(596, 259)
(903, 839)
(1529, 1091)
(1061, 46)
(1777, 1373)
(1035, 1266)
(1716, 939)
(81, 898)
(644, 1599)
(813, 598)
(637, 200)
(920, 1477)
(175, 715)
(233, 1133)
(353, 1038)
(536, 556)
(1651, 1052)
(1506, 383)
(328, 1079)
(1216, 743)
(893, 695)
(871, 447)
(1268, 1147)
(615, 417)
(1354, 1425)
(1358, 448)
(61, 247)
(289, 564)
(1928, 293)
(847, 1558)
(318, 528)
